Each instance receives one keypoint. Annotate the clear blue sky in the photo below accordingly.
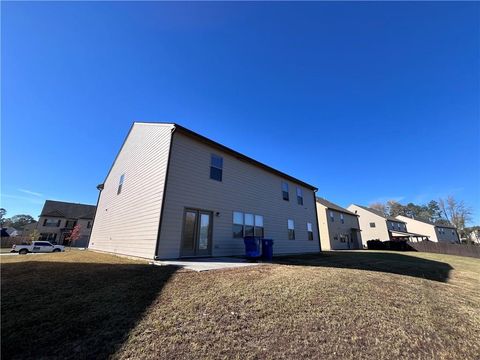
(367, 101)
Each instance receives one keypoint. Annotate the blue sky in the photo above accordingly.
(367, 101)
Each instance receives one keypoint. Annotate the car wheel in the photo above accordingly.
(23, 252)
(56, 250)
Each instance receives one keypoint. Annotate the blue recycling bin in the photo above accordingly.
(267, 249)
(252, 247)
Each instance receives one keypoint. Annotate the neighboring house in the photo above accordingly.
(376, 226)
(437, 233)
(173, 193)
(12, 232)
(58, 218)
(475, 236)
(339, 228)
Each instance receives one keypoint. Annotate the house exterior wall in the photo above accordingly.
(434, 232)
(245, 188)
(331, 231)
(127, 223)
(60, 228)
(448, 235)
(380, 230)
(323, 226)
(419, 227)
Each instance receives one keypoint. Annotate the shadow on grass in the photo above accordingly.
(69, 310)
(387, 262)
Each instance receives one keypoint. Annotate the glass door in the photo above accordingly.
(197, 233)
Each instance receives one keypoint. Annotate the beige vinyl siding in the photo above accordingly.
(419, 227)
(323, 217)
(380, 230)
(128, 223)
(336, 228)
(245, 188)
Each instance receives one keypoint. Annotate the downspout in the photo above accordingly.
(100, 187)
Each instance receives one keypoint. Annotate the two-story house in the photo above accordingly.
(377, 226)
(339, 228)
(435, 232)
(58, 219)
(173, 193)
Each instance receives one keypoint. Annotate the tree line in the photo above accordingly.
(17, 221)
(442, 211)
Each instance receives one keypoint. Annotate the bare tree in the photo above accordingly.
(455, 211)
(379, 207)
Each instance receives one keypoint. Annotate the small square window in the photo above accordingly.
(372, 225)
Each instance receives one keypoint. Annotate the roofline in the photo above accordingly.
(429, 223)
(389, 218)
(345, 211)
(241, 156)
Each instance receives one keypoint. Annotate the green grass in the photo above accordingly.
(348, 305)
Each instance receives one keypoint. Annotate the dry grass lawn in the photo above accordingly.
(343, 305)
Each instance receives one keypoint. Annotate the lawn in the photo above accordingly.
(345, 305)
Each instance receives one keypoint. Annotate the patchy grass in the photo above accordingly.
(347, 305)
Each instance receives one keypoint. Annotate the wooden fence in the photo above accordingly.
(444, 248)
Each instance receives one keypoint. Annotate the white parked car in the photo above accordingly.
(37, 247)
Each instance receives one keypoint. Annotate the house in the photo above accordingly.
(173, 193)
(377, 226)
(11, 232)
(437, 233)
(339, 228)
(58, 219)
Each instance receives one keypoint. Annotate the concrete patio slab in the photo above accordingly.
(206, 264)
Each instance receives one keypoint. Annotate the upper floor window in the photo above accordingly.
(89, 225)
(310, 231)
(453, 232)
(285, 194)
(70, 224)
(372, 225)
(299, 196)
(332, 219)
(120, 184)
(216, 167)
(51, 222)
(291, 229)
(342, 219)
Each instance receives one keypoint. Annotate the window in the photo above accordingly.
(258, 225)
(331, 216)
(299, 196)
(51, 222)
(453, 232)
(291, 229)
(216, 167)
(398, 226)
(120, 184)
(342, 238)
(89, 225)
(310, 231)
(70, 224)
(249, 224)
(285, 191)
(372, 225)
(237, 224)
(342, 219)
(47, 237)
